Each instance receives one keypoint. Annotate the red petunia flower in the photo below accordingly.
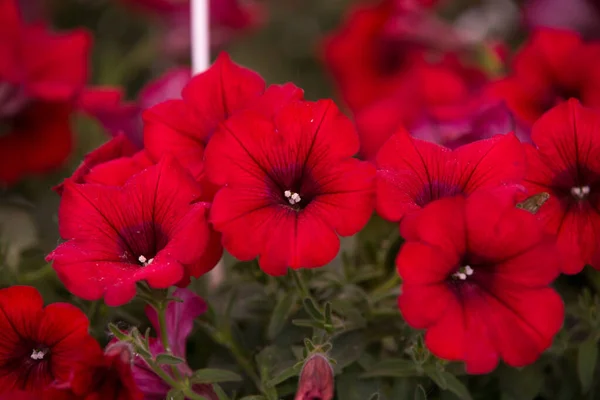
(553, 66)
(112, 164)
(566, 164)
(475, 276)
(289, 184)
(39, 345)
(40, 75)
(146, 230)
(107, 106)
(107, 376)
(182, 128)
(411, 173)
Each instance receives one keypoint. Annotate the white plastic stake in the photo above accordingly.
(200, 31)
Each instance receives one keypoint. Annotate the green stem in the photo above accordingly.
(161, 310)
(300, 284)
(37, 275)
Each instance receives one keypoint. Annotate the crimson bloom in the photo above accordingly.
(40, 345)
(412, 173)
(40, 75)
(182, 128)
(565, 163)
(316, 379)
(107, 376)
(475, 276)
(107, 105)
(289, 183)
(150, 229)
(553, 66)
(180, 316)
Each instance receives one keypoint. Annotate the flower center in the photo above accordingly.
(38, 354)
(292, 197)
(463, 273)
(580, 192)
(144, 261)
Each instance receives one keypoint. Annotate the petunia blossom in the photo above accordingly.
(476, 277)
(41, 73)
(288, 184)
(117, 116)
(107, 376)
(565, 162)
(152, 229)
(412, 173)
(182, 128)
(180, 316)
(553, 66)
(39, 345)
(316, 379)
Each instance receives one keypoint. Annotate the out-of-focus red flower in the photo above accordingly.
(475, 276)
(442, 92)
(107, 376)
(290, 179)
(565, 163)
(553, 66)
(113, 164)
(582, 16)
(483, 121)
(180, 316)
(39, 344)
(40, 75)
(183, 127)
(146, 230)
(412, 173)
(316, 379)
(227, 19)
(107, 105)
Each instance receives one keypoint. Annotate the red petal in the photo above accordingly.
(233, 86)
(424, 305)
(11, 45)
(57, 66)
(423, 264)
(490, 163)
(406, 169)
(446, 339)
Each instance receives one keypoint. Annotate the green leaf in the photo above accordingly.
(254, 397)
(392, 368)
(212, 375)
(168, 359)
(454, 385)
(375, 396)
(524, 383)
(284, 375)
(117, 332)
(312, 309)
(307, 323)
(328, 316)
(220, 392)
(347, 348)
(437, 376)
(587, 356)
(420, 393)
(282, 311)
(175, 394)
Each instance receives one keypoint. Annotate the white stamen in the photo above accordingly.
(463, 273)
(292, 197)
(37, 354)
(144, 261)
(580, 191)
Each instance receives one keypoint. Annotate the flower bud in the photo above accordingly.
(316, 379)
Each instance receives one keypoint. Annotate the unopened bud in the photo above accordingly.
(316, 379)
(122, 350)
